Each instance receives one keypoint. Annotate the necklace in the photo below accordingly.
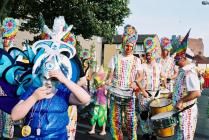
(26, 130)
(38, 130)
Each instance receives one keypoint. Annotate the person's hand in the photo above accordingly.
(58, 75)
(133, 85)
(41, 93)
(179, 105)
(145, 94)
(108, 82)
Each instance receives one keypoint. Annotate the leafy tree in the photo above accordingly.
(89, 17)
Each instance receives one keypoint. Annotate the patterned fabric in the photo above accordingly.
(8, 127)
(6, 123)
(101, 97)
(71, 127)
(168, 66)
(125, 70)
(130, 35)
(116, 119)
(181, 49)
(187, 119)
(186, 126)
(151, 80)
(99, 114)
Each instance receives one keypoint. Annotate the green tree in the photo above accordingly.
(89, 17)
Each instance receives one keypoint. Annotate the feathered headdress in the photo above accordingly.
(182, 48)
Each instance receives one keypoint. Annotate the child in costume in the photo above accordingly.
(100, 108)
(50, 85)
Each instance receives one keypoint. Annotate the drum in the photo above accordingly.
(160, 105)
(120, 96)
(164, 93)
(164, 124)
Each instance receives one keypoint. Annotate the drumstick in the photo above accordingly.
(176, 114)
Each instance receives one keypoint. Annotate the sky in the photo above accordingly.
(170, 17)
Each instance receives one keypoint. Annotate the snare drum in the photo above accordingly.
(120, 96)
(160, 105)
(164, 124)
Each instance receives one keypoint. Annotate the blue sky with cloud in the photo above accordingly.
(170, 17)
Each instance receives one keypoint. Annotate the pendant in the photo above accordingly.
(26, 131)
(38, 132)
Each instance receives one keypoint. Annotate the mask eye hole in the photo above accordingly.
(49, 65)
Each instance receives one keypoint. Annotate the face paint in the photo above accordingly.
(128, 48)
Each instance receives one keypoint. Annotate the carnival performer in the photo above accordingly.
(45, 103)
(169, 68)
(186, 92)
(151, 83)
(100, 108)
(9, 30)
(125, 73)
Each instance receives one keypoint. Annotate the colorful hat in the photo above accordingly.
(130, 35)
(61, 31)
(165, 44)
(10, 27)
(182, 48)
(149, 45)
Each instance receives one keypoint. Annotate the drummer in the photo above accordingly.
(169, 68)
(125, 72)
(186, 92)
(152, 72)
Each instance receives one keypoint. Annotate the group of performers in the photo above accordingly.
(150, 77)
(42, 88)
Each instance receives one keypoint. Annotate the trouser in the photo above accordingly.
(117, 107)
(186, 125)
(99, 114)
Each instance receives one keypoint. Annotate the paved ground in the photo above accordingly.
(202, 131)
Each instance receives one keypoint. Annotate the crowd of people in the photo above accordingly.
(46, 103)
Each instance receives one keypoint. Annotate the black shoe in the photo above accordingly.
(153, 137)
(146, 137)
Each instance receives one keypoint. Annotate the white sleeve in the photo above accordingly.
(192, 82)
(138, 65)
(111, 64)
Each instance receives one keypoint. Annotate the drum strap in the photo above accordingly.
(189, 106)
(156, 94)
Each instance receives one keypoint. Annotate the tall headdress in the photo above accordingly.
(165, 44)
(150, 46)
(130, 35)
(10, 29)
(182, 50)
